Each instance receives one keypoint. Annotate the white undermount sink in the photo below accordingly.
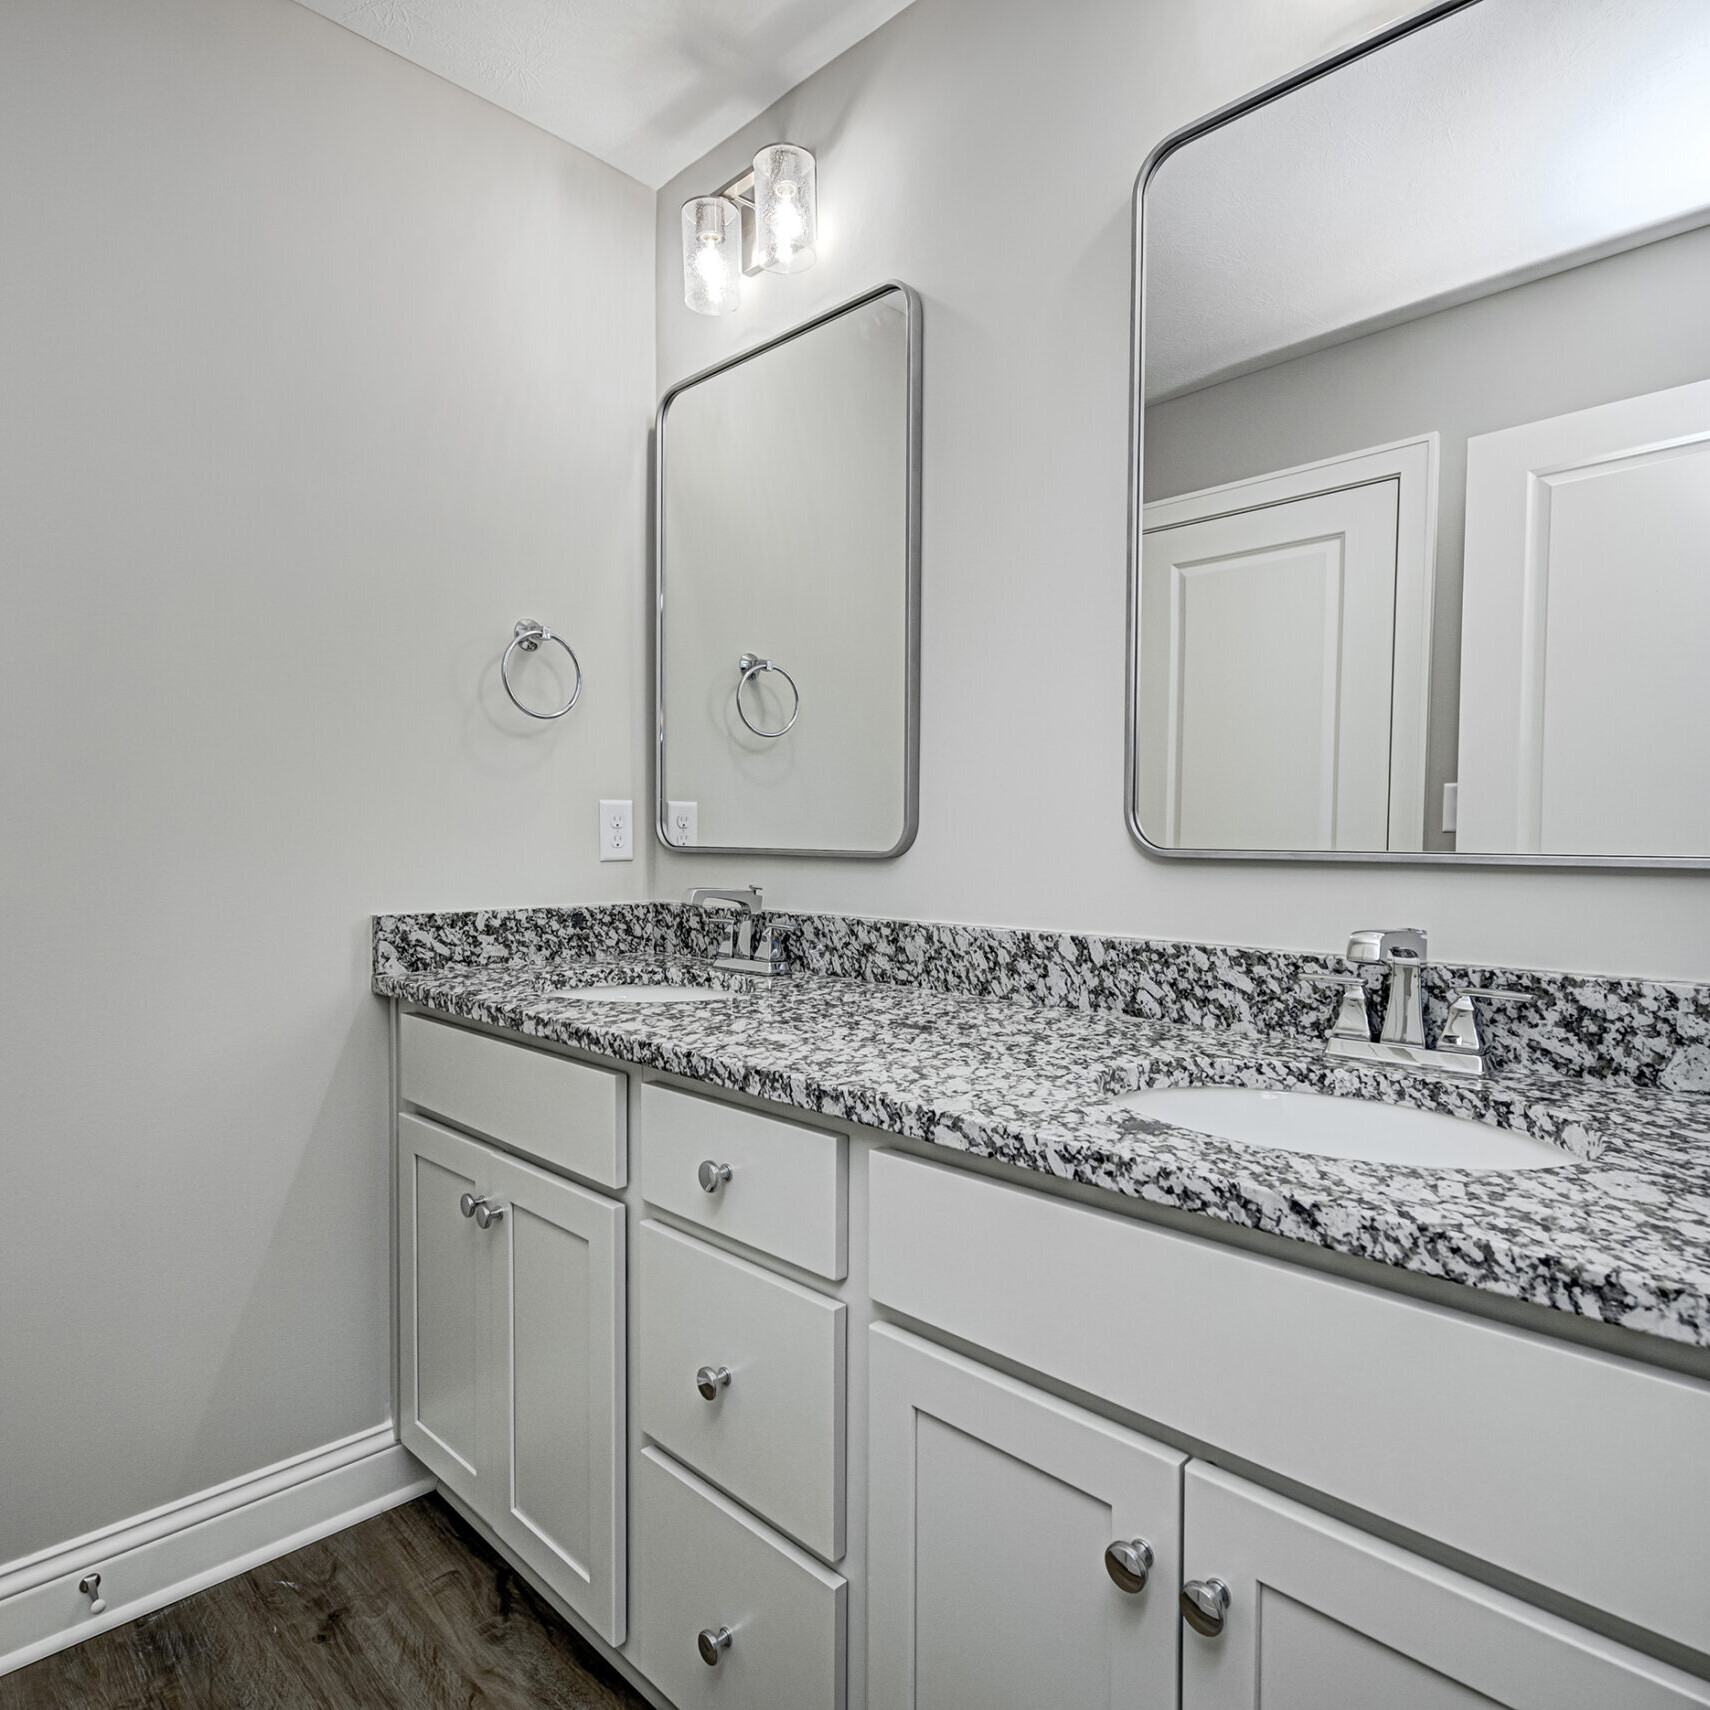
(648, 994)
(1328, 1127)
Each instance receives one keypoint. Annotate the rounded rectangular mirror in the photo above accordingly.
(789, 591)
(1420, 566)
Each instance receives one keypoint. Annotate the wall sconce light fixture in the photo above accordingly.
(767, 219)
(712, 254)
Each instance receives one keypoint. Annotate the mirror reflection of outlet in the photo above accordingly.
(617, 831)
(680, 826)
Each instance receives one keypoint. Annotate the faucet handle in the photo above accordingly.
(1460, 1032)
(1353, 1019)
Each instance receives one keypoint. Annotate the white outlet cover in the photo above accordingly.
(617, 831)
(681, 826)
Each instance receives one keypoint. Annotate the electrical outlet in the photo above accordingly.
(617, 831)
(680, 827)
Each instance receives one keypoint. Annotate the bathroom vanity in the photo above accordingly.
(828, 1342)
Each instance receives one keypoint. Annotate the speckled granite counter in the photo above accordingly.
(1621, 1234)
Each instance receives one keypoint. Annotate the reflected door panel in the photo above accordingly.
(1586, 612)
(1268, 638)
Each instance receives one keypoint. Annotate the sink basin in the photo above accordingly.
(1327, 1127)
(648, 994)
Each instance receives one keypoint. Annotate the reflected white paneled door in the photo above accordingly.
(1283, 671)
(1585, 629)
(559, 1317)
(1322, 1616)
(991, 1506)
(447, 1356)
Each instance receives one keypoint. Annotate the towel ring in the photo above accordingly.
(751, 665)
(529, 635)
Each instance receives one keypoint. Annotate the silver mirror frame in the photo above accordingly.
(911, 674)
(1136, 452)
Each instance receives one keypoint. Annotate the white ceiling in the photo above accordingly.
(648, 85)
(1501, 143)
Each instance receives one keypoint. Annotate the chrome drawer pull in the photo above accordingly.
(713, 1176)
(711, 1643)
(90, 1586)
(486, 1215)
(709, 1380)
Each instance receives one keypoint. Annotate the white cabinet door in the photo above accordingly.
(558, 1283)
(1585, 705)
(446, 1352)
(1324, 1617)
(991, 1507)
(1283, 649)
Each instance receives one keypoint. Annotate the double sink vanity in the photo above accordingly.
(984, 1318)
(839, 1314)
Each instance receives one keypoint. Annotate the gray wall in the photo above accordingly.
(318, 374)
(985, 151)
(1631, 324)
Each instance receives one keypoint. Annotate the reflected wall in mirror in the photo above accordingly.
(1422, 564)
(789, 577)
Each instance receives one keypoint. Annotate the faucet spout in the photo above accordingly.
(1402, 949)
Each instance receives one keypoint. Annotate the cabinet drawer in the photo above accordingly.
(773, 1434)
(565, 1114)
(1511, 1447)
(704, 1565)
(787, 1190)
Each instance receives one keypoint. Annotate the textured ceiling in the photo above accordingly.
(649, 85)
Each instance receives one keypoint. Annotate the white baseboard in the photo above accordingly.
(173, 1552)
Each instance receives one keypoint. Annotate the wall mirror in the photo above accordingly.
(1420, 566)
(788, 531)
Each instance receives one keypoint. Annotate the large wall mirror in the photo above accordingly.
(788, 532)
(1421, 554)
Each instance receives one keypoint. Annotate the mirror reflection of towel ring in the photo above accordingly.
(751, 665)
(528, 636)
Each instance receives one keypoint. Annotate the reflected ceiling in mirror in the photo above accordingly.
(1422, 559)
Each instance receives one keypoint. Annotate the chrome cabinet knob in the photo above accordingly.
(1128, 1561)
(90, 1586)
(709, 1380)
(468, 1203)
(486, 1214)
(713, 1176)
(1204, 1604)
(712, 1643)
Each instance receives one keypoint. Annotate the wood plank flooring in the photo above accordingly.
(408, 1611)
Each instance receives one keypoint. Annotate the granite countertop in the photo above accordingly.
(1620, 1234)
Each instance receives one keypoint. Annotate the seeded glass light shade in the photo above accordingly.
(712, 255)
(785, 218)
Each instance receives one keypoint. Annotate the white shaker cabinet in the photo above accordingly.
(1321, 1616)
(446, 1348)
(991, 1509)
(511, 1305)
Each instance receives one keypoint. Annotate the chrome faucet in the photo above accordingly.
(1401, 1040)
(739, 952)
(1403, 948)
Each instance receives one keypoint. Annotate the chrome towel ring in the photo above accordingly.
(529, 635)
(751, 665)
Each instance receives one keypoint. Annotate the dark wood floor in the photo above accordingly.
(408, 1611)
